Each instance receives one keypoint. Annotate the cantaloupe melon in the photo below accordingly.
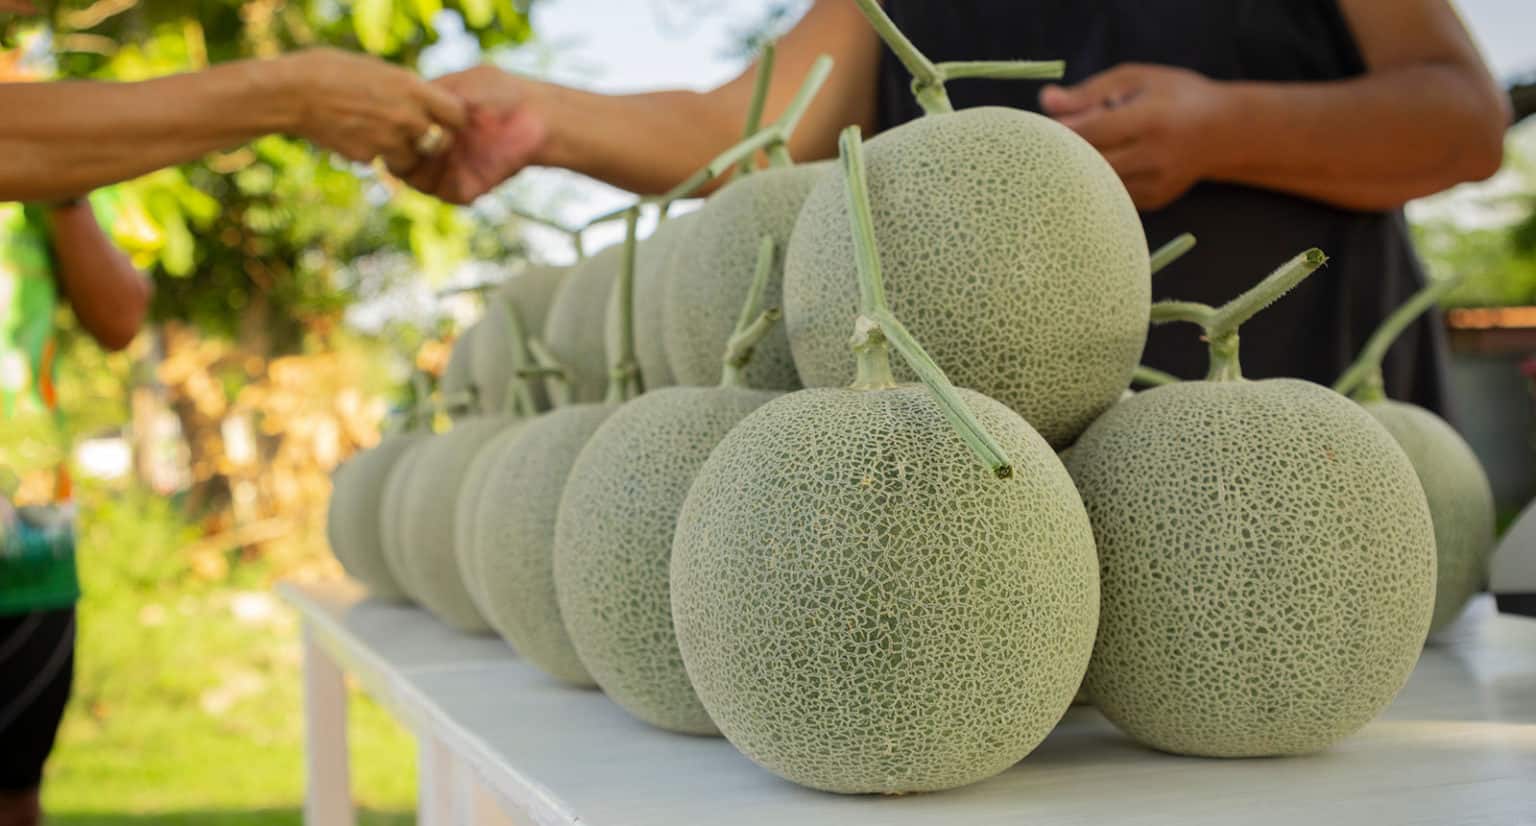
(712, 274)
(514, 536)
(1013, 252)
(1459, 495)
(655, 259)
(467, 508)
(1460, 501)
(429, 510)
(352, 515)
(861, 605)
(576, 328)
(532, 291)
(1265, 553)
(391, 516)
(613, 535)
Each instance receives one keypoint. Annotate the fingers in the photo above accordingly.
(442, 105)
(1114, 86)
(1106, 128)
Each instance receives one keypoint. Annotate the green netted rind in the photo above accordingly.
(864, 608)
(532, 291)
(715, 269)
(1267, 564)
(1460, 502)
(458, 374)
(352, 516)
(655, 259)
(1010, 249)
(514, 542)
(468, 505)
(613, 545)
(575, 330)
(392, 517)
(427, 525)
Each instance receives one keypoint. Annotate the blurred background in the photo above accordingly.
(295, 296)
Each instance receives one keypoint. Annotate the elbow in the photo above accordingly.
(1488, 119)
(117, 333)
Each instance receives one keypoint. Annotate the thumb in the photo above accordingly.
(1115, 84)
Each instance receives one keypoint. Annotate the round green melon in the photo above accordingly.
(352, 516)
(427, 525)
(716, 268)
(532, 291)
(1267, 564)
(391, 517)
(575, 330)
(613, 545)
(655, 258)
(864, 608)
(458, 376)
(514, 542)
(1010, 249)
(1460, 502)
(468, 505)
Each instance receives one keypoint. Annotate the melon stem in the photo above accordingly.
(557, 377)
(1364, 375)
(624, 372)
(753, 322)
(876, 329)
(1172, 251)
(1221, 323)
(759, 98)
(519, 399)
(776, 134)
(1152, 377)
(928, 78)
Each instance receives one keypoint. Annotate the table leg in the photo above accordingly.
(328, 792)
(440, 789)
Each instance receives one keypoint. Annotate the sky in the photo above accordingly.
(635, 45)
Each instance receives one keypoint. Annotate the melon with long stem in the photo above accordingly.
(613, 535)
(458, 381)
(1014, 253)
(706, 286)
(655, 260)
(1265, 552)
(862, 606)
(574, 332)
(1455, 484)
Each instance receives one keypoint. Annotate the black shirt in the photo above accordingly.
(1243, 232)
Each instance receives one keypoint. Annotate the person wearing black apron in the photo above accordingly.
(1340, 111)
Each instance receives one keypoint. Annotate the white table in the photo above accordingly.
(502, 744)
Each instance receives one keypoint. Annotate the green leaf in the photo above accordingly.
(373, 20)
(478, 13)
(426, 11)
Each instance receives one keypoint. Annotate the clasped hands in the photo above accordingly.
(456, 137)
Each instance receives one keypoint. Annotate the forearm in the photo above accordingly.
(77, 136)
(109, 296)
(1373, 142)
(644, 143)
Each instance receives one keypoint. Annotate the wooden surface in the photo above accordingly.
(1458, 746)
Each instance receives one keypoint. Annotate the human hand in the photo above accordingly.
(1158, 126)
(504, 135)
(364, 108)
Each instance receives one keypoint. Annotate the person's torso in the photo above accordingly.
(1243, 232)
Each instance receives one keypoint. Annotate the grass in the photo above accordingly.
(186, 703)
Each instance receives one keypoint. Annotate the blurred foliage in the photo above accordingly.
(1487, 235)
(275, 223)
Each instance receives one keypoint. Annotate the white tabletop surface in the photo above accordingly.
(1458, 746)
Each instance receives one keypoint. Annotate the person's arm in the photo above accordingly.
(1424, 117)
(649, 142)
(108, 295)
(71, 137)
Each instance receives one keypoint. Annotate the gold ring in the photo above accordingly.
(432, 141)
